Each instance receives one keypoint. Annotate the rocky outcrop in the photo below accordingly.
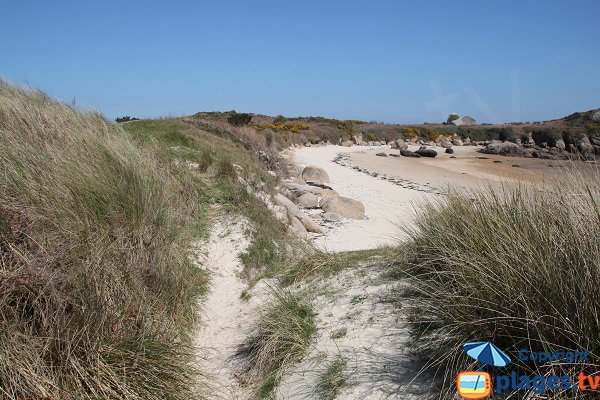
(345, 207)
(313, 173)
(425, 152)
(466, 120)
(294, 211)
(308, 200)
(408, 153)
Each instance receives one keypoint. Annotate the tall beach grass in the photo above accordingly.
(518, 266)
(96, 293)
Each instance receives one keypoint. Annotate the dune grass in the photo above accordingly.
(279, 338)
(97, 296)
(519, 267)
(333, 379)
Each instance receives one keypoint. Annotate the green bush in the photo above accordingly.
(239, 119)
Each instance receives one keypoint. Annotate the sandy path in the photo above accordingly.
(224, 313)
(388, 206)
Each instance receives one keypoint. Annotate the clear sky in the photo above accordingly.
(392, 61)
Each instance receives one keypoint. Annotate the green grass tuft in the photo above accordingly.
(519, 267)
(280, 338)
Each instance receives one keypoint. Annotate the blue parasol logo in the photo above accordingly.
(486, 353)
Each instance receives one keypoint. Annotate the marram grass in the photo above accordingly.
(96, 293)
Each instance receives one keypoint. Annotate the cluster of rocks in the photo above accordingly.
(313, 197)
(580, 148)
(343, 159)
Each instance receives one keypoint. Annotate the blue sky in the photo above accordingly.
(392, 61)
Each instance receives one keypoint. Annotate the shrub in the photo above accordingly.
(97, 296)
(280, 119)
(519, 267)
(239, 119)
(126, 119)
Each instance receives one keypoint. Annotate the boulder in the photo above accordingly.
(467, 141)
(449, 150)
(345, 207)
(394, 144)
(294, 211)
(561, 144)
(347, 143)
(457, 142)
(402, 145)
(466, 120)
(297, 227)
(595, 116)
(299, 189)
(332, 217)
(313, 173)
(408, 153)
(445, 144)
(504, 148)
(426, 152)
(308, 200)
(584, 145)
(381, 154)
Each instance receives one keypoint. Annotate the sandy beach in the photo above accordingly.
(390, 207)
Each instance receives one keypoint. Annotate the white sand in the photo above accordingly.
(388, 207)
(225, 315)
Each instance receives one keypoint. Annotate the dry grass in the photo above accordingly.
(279, 339)
(96, 293)
(519, 267)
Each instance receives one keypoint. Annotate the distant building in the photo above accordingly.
(466, 120)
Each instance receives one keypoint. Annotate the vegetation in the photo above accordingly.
(239, 119)
(97, 295)
(126, 118)
(282, 126)
(279, 339)
(332, 380)
(518, 267)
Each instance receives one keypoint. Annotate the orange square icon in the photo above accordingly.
(474, 384)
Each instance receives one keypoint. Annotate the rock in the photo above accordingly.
(347, 143)
(468, 141)
(313, 173)
(308, 200)
(506, 148)
(307, 144)
(595, 140)
(449, 150)
(408, 153)
(394, 155)
(272, 173)
(381, 154)
(332, 217)
(584, 145)
(595, 116)
(294, 211)
(445, 144)
(345, 207)
(457, 142)
(402, 145)
(297, 227)
(466, 120)
(394, 144)
(561, 144)
(426, 152)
